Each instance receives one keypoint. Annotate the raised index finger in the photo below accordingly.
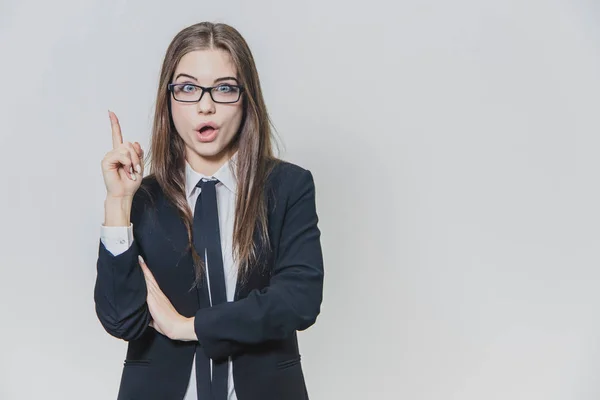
(117, 138)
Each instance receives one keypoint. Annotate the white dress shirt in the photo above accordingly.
(118, 239)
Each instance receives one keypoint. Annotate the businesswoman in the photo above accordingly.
(210, 264)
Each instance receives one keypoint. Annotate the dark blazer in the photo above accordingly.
(257, 330)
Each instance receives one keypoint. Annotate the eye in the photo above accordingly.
(225, 88)
(188, 88)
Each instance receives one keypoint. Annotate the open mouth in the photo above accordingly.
(207, 134)
(206, 130)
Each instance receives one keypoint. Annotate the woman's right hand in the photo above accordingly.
(123, 166)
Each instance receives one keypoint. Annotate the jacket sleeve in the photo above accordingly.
(120, 290)
(292, 300)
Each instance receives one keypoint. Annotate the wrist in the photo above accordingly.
(117, 211)
(128, 197)
(186, 330)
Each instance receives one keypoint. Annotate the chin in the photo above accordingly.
(209, 150)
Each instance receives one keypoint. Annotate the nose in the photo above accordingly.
(206, 105)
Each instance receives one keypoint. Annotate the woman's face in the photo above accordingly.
(206, 150)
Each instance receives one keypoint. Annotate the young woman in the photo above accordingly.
(209, 265)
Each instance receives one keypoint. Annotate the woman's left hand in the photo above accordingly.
(165, 318)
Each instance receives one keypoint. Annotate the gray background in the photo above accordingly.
(454, 148)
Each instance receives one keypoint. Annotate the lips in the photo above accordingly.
(207, 131)
(207, 135)
(206, 125)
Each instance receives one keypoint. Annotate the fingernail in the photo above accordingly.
(138, 168)
(133, 177)
(141, 260)
(131, 170)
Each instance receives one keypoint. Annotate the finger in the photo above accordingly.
(117, 137)
(119, 157)
(151, 301)
(155, 295)
(146, 269)
(138, 149)
(150, 286)
(135, 158)
(147, 274)
(149, 283)
(123, 174)
(142, 264)
(154, 291)
(140, 152)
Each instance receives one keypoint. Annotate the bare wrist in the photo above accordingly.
(186, 330)
(117, 211)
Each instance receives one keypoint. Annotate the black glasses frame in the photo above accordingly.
(171, 88)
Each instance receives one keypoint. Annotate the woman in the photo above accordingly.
(208, 297)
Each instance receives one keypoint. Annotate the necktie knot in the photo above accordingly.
(204, 181)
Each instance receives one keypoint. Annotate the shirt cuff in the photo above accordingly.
(116, 239)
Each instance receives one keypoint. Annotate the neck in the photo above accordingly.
(207, 166)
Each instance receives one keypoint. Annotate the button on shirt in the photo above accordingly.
(118, 239)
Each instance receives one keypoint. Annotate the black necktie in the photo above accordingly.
(206, 224)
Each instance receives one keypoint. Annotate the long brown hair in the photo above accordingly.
(254, 160)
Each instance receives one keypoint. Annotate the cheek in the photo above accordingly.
(180, 115)
(235, 119)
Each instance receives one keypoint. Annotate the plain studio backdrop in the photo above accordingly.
(454, 148)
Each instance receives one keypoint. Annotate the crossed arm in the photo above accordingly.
(128, 299)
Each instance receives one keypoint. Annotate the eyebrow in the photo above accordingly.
(225, 78)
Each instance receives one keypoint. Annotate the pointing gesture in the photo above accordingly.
(117, 137)
(122, 167)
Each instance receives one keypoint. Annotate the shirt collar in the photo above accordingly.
(225, 175)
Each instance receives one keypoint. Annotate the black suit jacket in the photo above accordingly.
(258, 329)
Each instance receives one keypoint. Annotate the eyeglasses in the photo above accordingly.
(189, 93)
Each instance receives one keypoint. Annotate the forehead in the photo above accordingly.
(206, 65)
